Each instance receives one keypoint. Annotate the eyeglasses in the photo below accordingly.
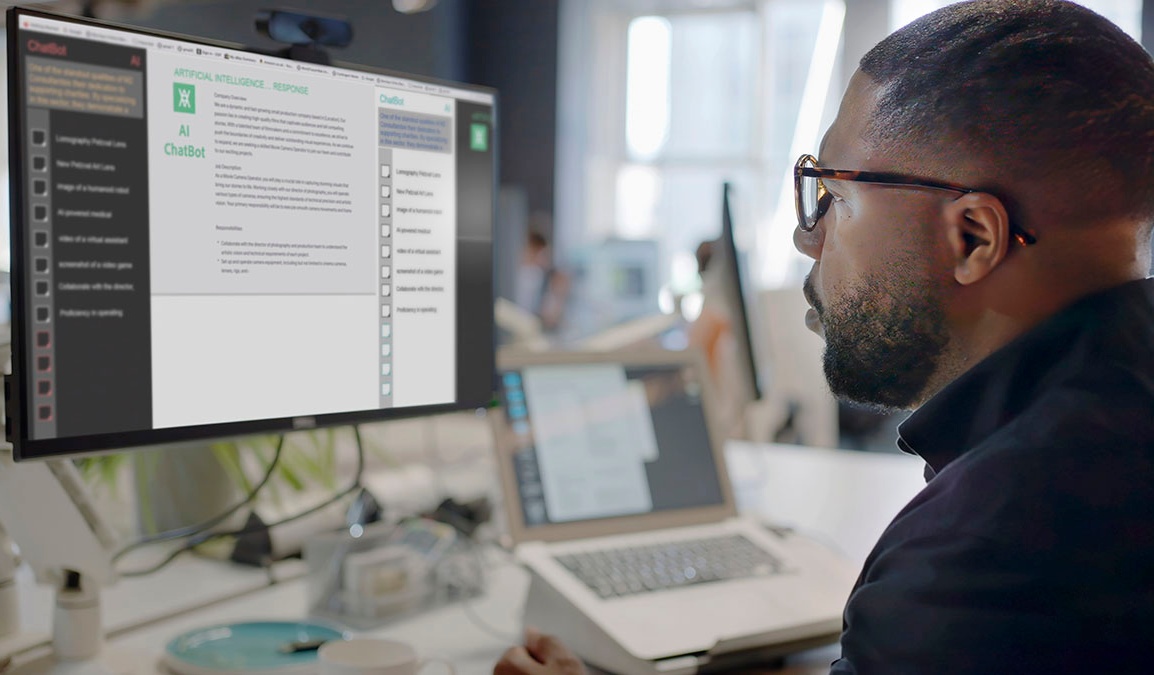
(813, 200)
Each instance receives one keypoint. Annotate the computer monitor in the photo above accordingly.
(210, 241)
(729, 274)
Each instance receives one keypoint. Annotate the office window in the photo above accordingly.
(709, 68)
(691, 81)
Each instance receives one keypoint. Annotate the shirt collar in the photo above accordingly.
(995, 391)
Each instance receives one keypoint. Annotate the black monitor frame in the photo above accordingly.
(479, 278)
(734, 290)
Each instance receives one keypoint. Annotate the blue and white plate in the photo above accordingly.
(252, 648)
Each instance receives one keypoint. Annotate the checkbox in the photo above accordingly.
(386, 349)
(386, 171)
(386, 231)
(386, 210)
(386, 251)
(386, 311)
(386, 330)
(386, 290)
(386, 191)
(386, 389)
(386, 369)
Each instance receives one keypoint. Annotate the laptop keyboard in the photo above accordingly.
(614, 573)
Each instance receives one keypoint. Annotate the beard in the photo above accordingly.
(882, 346)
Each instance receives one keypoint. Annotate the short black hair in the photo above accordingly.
(1034, 89)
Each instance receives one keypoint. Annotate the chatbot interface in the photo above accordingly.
(219, 236)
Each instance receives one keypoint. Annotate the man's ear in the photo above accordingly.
(978, 233)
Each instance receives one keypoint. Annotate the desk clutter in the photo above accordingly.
(358, 578)
(365, 577)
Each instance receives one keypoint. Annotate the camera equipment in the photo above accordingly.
(306, 34)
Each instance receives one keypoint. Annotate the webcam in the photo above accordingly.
(298, 28)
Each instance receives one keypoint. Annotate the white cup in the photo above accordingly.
(370, 656)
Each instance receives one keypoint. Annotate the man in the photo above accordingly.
(993, 278)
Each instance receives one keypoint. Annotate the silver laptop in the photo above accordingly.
(619, 504)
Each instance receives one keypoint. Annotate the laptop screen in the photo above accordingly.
(603, 440)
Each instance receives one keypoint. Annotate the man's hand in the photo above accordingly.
(541, 655)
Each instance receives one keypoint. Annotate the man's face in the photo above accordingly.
(873, 290)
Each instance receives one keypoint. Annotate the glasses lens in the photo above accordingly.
(811, 196)
(809, 199)
(811, 190)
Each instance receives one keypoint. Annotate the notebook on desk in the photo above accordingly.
(619, 504)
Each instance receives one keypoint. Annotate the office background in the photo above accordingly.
(620, 120)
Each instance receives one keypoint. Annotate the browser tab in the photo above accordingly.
(41, 26)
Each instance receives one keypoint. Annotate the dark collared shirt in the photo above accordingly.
(1031, 548)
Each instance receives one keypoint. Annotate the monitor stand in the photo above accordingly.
(46, 509)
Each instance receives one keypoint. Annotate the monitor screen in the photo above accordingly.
(211, 241)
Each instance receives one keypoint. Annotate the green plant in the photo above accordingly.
(307, 458)
(103, 471)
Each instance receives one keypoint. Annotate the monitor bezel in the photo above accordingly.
(17, 413)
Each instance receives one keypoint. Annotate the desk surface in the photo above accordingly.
(844, 498)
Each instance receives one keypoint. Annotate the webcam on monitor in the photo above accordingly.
(298, 28)
(307, 35)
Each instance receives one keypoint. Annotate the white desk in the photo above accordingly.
(188, 585)
(447, 632)
(843, 497)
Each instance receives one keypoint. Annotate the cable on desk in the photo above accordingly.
(248, 529)
(471, 611)
(193, 530)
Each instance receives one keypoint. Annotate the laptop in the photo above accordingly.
(619, 504)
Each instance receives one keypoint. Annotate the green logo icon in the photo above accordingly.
(184, 98)
(479, 137)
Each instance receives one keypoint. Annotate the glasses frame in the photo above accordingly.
(806, 167)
